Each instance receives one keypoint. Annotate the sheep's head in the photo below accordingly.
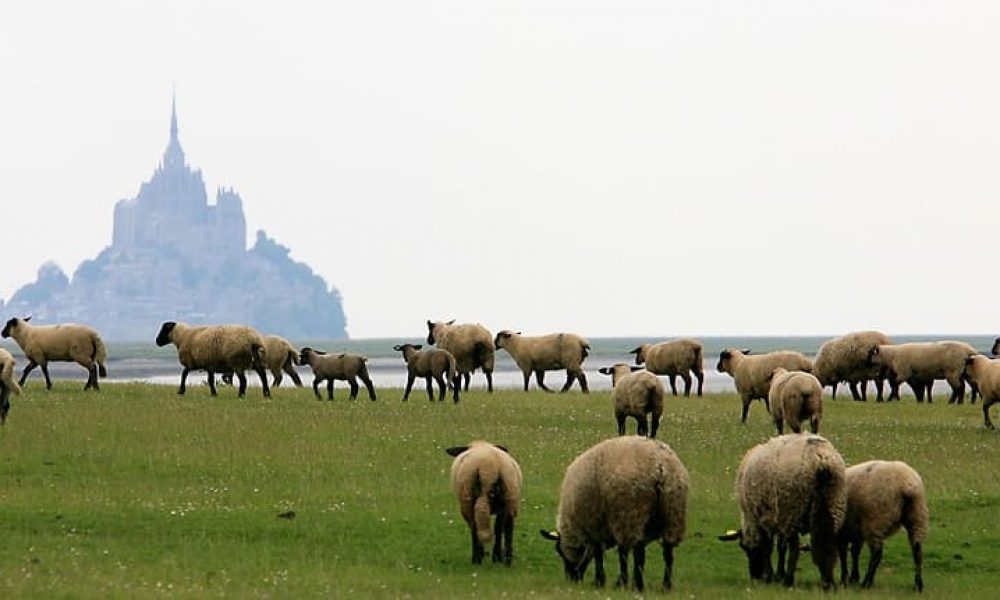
(11, 324)
(407, 349)
(502, 337)
(617, 371)
(432, 325)
(774, 373)
(996, 347)
(874, 356)
(726, 357)
(575, 559)
(306, 355)
(758, 556)
(970, 366)
(640, 354)
(163, 338)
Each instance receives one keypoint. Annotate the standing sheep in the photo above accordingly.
(216, 349)
(7, 384)
(920, 363)
(57, 343)
(751, 373)
(883, 496)
(985, 375)
(623, 492)
(547, 353)
(790, 485)
(795, 397)
(343, 366)
(674, 358)
(635, 393)
(845, 358)
(280, 356)
(487, 481)
(470, 343)
(432, 365)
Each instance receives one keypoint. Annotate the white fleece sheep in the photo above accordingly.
(635, 393)
(433, 365)
(673, 358)
(623, 492)
(487, 481)
(66, 342)
(8, 385)
(883, 496)
(281, 356)
(920, 363)
(845, 358)
(790, 485)
(751, 373)
(795, 397)
(985, 375)
(543, 353)
(470, 343)
(216, 349)
(342, 366)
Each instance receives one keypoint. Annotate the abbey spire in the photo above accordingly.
(174, 155)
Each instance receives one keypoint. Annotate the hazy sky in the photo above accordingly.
(610, 168)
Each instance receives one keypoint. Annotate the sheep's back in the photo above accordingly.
(474, 471)
(61, 342)
(752, 372)
(223, 347)
(878, 493)
(634, 391)
(462, 341)
(278, 351)
(675, 357)
(846, 357)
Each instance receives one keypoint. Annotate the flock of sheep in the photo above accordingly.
(627, 491)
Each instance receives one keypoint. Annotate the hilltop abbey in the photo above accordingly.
(174, 256)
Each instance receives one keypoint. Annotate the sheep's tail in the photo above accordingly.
(829, 507)
(491, 488)
(452, 372)
(7, 376)
(584, 350)
(916, 517)
(293, 357)
(100, 356)
(481, 354)
(698, 359)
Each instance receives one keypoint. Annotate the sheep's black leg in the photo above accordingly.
(430, 388)
(354, 388)
(673, 384)
(668, 566)
(184, 376)
(638, 566)
(498, 536)
(622, 566)
(599, 577)
(368, 385)
(654, 420)
(329, 388)
(746, 408)
(508, 534)
(918, 565)
(316, 382)
(701, 381)
(31, 366)
(48, 380)
(540, 378)
(455, 388)
(91, 377)
(293, 374)
(278, 376)
(782, 549)
(262, 375)
(621, 423)
(855, 560)
(409, 385)
(957, 393)
(793, 560)
(879, 387)
(643, 429)
(527, 377)
(442, 387)
(468, 379)
(687, 385)
(96, 385)
(875, 557)
(986, 414)
(570, 377)
(477, 548)
(242, 377)
(211, 383)
(583, 382)
(842, 555)
(489, 380)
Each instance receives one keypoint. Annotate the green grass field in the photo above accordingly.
(136, 492)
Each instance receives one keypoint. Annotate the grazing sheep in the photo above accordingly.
(750, 373)
(7, 383)
(216, 349)
(795, 397)
(432, 365)
(920, 363)
(634, 394)
(623, 492)
(487, 481)
(883, 496)
(674, 358)
(985, 375)
(790, 485)
(59, 343)
(343, 366)
(470, 343)
(845, 358)
(547, 353)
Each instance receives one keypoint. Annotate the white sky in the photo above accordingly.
(604, 167)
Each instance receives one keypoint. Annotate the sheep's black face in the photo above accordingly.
(994, 351)
(875, 357)
(430, 333)
(500, 338)
(163, 338)
(759, 559)
(10, 325)
(575, 561)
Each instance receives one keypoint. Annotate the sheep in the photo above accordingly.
(845, 358)
(432, 365)
(57, 343)
(787, 486)
(795, 397)
(487, 481)
(920, 363)
(343, 366)
(470, 343)
(7, 384)
(280, 356)
(635, 393)
(547, 353)
(883, 496)
(984, 374)
(673, 358)
(216, 349)
(623, 492)
(750, 373)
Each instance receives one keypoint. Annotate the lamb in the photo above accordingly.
(487, 481)
(547, 353)
(920, 363)
(634, 394)
(674, 358)
(64, 342)
(984, 374)
(343, 366)
(790, 485)
(623, 492)
(432, 365)
(883, 496)
(795, 397)
(7, 384)
(280, 356)
(470, 343)
(750, 373)
(216, 349)
(845, 358)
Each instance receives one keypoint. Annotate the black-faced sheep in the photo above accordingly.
(674, 358)
(538, 354)
(985, 375)
(621, 493)
(342, 366)
(845, 358)
(790, 485)
(487, 481)
(635, 393)
(66, 342)
(7, 384)
(795, 397)
(920, 363)
(216, 349)
(751, 373)
(470, 343)
(883, 496)
(433, 365)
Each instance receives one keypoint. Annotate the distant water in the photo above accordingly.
(146, 362)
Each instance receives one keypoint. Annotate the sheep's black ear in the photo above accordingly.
(745, 351)
(635, 350)
(504, 448)
(430, 324)
(549, 535)
(605, 371)
(456, 450)
(634, 369)
(28, 318)
(451, 322)
(969, 360)
(731, 536)
(418, 346)
(397, 348)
